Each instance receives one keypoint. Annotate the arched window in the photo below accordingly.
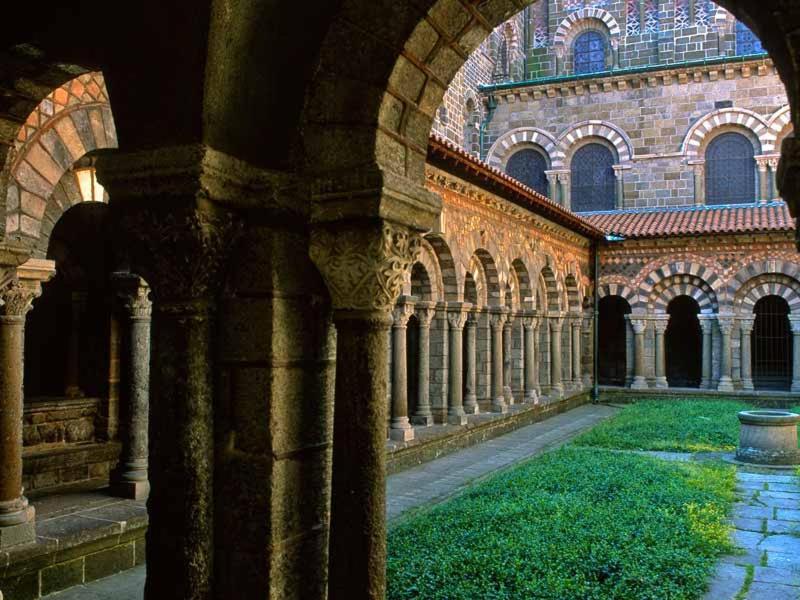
(590, 53)
(528, 166)
(771, 344)
(611, 357)
(746, 41)
(683, 343)
(730, 170)
(593, 184)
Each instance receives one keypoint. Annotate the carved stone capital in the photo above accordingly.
(746, 325)
(364, 265)
(425, 311)
(706, 324)
(556, 324)
(402, 313)
(134, 293)
(725, 325)
(639, 326)
(660, 325)
(457, 313)
(17, 297)
(498, 316)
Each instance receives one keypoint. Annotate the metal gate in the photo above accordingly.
(771, 344)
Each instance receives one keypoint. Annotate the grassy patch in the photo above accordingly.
(574, 523)
(679, 426)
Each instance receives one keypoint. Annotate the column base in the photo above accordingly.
(661, 382)
(705, 384)
(471, 406)
(401, 435)
(747, 384)
(796, 386)
(556, 392)
(422, 420)
(499, 405)
(459, 418)
(725, 384)
(20, 533)
(509, 396)
(532, 397)
(639, 383)
(133, 490)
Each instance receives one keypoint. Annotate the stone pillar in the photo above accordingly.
(577, 379)
(543, 366)
(508, 394)
(72, 387)
(17, 518)
(706, 324)
(400, 428)
(556, 387)
(456, 316)
(566, 196)
(588, 344)
(639, 377)
(746, 327)
(498, 318)
(529, 324)
(795, 324)
(773, 180)
(130, 478)
(725, 379)
(552, 183)
(763, 179)
(566, 373)
(471, 394)
(619, 171)
(661, 359)
(699, 171)
(425, 312)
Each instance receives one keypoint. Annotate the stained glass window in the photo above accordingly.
(730, 170)
(651, 16)
(746, 41)
(592, 179)
(528, 166)
(573, 4)
(703, 12)
(632, 22)
(682, 14)
(539, 24)
(590, 53)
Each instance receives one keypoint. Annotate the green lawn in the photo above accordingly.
(575, 523)
(681, 426)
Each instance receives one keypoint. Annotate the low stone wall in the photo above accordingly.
(762, 398)
(59, 420)
(46, 467)
(445, 439)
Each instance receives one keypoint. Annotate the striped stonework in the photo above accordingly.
(617, 289)
(695, 139)
(584, 19)
(572, 137)
(769, 285)
(517, 139)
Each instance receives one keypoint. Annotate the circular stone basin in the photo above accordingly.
(768, 437)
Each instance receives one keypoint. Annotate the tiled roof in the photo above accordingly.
(692, 220)
(442, 152)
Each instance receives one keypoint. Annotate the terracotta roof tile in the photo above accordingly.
(693, 220)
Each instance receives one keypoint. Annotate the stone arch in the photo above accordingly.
(573, 295)
(512, 292)
(70, 122)
(682, 268)
(446, 270)
(768, 284)
(522, 275)
(476, 274)
(759, 268)
(573, 138)
(780, 124)
(718, 121)
(516, 139)
(582, 20)
(683, 285)
(618, 289)
(551, 288)
(492, 277)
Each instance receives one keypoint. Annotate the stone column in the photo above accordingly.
(552, 183)
(763, 179)
(660, 325)
(507, 360)
(639, 377)
(566, 196)
(471, 395)
(725, 379)
(699, 170)
(72, 387)
(130, 478)
(773, 183)
(529, 351)
(588, 341)
(619, 171)
(400, 428)
(795, 324)
(567, 375)
(556, 387)
(17, 518)
(706, 325)
(425, 312)
(498, 317)
(456, 316)
(577, 378)
(746, 327)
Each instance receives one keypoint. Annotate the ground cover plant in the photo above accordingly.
(679, 426)
(574, 523)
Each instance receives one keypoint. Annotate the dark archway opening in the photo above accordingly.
(684, 343)
(771, 345)
(612, 345)
(412, 364)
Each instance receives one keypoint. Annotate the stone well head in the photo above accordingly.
(768, 437)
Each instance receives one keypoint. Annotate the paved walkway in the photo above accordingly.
(416, 487)
(767, 522)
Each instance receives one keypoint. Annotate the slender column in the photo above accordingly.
(72, 376)
(661, 359)
(507, 360)
(400, 428)
(746, 327)
(706, 324)
(639, 378)
(725, 379)
(566, 196)
(471, 396)
(529, 323)
(543, 367)
(17, 518)
(619, 171)
(425, 312)
(698, 169)
(567, 375)
(577, 379)
(498, 318)
(552, 183)
(763, 179)
(773, 183)
(588, 344)
(795, 324)
(130, 478)
(556, 387)
(456, 317)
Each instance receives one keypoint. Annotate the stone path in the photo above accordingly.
(767, 529)
(416, 487)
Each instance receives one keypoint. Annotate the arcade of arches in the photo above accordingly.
(273, 311)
